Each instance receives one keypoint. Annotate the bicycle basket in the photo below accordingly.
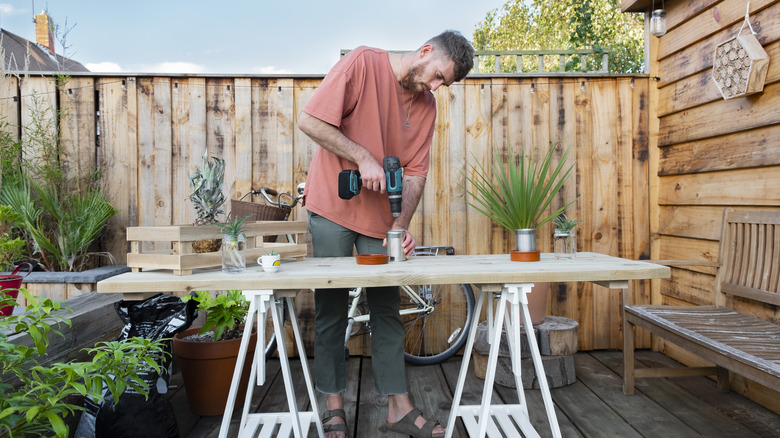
(258, 212)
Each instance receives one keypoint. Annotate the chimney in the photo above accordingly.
(44, 31)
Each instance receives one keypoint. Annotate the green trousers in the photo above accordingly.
(331, 306)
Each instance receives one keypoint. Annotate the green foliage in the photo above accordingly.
(224, 313)
(10, 248)
(564, 24)
(234, 228)
(206, 185)
(62, 225)
(522, 191)
(38, 404)
(565, 225)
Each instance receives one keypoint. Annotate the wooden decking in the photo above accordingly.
(592, 407)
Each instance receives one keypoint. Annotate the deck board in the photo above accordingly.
(594, 406)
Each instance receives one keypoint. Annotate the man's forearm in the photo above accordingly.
(412, 192)
(333, 140)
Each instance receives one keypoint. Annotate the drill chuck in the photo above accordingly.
(394, 179)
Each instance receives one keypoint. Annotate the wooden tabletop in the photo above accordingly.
(338, 272)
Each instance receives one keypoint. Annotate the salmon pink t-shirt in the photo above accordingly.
(362, 97)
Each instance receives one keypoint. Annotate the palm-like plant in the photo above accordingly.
(61, 227)
(206, 184)
(522, 191)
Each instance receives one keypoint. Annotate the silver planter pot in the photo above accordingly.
(525, 240)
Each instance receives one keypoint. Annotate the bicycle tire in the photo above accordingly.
(433, 338)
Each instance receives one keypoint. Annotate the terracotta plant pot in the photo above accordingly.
(10, 285)
(525, 256)
(207, 369)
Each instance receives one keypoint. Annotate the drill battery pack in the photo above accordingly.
(349, 183)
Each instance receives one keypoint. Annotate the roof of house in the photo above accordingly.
(15, 50)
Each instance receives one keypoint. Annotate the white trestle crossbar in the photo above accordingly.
(261, 302)
(499, 417)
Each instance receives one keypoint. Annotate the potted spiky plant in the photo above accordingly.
(207, 198)
(564, 237)
(516, 195)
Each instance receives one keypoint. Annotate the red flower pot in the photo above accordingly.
(10, 284)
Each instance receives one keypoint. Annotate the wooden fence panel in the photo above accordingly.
(9, 105)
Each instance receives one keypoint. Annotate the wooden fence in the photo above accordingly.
(145, 133)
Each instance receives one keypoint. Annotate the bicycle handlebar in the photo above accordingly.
(268, 192)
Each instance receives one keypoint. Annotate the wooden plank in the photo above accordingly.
(739, 150)
(188, 127)
(682, 248)
(220, 133)
(282, 152)
(154, 145)
(39, 115)
(708, 121)
(607, 181)
(701, 222)
(479, 149)
(690, 286)
(10, 102)
(373, 407)
(243, 138)
(696, 413)
(722, 188)
(641, 412)
(77, 131)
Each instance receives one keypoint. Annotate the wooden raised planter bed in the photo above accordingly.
(178, 254)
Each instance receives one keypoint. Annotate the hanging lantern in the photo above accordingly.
(658, 21)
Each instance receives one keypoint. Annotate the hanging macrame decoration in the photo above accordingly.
(740, 64)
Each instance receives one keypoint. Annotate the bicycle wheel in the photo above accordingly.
(433, 336)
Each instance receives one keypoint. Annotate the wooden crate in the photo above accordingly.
(180, 257)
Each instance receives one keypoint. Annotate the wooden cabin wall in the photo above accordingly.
(708, 153)
(146, 133)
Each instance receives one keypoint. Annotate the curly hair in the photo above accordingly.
(457, 48)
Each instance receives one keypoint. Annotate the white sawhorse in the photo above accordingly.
(479, 419)
(261, 302)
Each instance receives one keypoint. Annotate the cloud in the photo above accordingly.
(6, 9)
(175, 67)
(103, 67)
(270, 69)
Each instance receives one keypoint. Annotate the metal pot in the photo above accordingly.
(525, 240)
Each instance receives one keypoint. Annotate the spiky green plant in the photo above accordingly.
(564, 225)
(62, 227)
(206, 184)
(522, 191)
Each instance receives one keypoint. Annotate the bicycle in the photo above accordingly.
(433, 332)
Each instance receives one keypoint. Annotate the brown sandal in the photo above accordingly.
(337, 427)
(406, 426)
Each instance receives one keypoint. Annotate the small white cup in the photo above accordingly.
(269, 263)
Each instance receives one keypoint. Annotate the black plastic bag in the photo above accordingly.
(158, 317)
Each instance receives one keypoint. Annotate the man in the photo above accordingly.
(372, 104)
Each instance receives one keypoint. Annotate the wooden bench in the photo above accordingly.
(748, 267)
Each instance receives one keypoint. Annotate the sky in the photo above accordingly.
(237, 37)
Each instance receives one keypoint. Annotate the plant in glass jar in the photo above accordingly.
(564, 237)
(233, 245)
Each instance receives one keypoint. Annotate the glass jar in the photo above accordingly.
(564, 245)
(658, 23)
(233, 254)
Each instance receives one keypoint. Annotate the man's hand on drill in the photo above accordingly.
(373, 175)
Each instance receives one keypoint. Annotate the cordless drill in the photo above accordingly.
(350, 183)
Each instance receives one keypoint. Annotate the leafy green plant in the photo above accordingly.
(522, 190)
(41, 397)
(272, 253)
(564, 225)
(63, 226)
(224, 313)
(11, 248)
